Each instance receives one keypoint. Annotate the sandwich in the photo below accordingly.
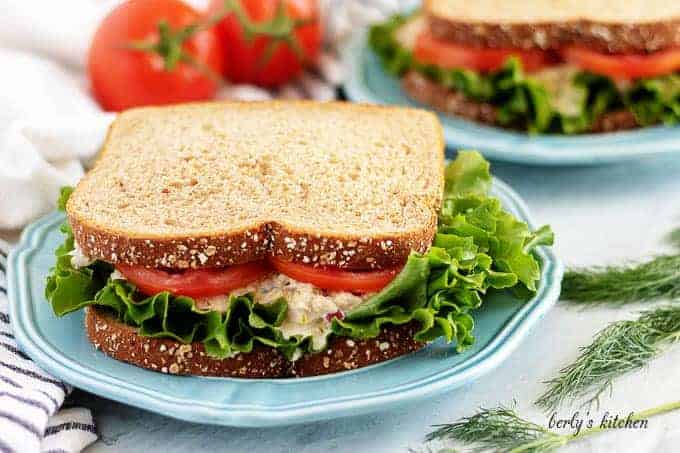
(542, 66)
(282, 239)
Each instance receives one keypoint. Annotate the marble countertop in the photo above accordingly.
(600, 215)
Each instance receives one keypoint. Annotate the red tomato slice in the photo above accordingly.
(625, 66)
(430, 50)
(334, 279)
(195, 282)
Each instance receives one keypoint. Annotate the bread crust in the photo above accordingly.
(164, 355)
(453, 102)
(252, 244)
(613, 38)
(615, 121)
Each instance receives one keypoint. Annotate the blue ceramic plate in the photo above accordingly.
(367, 82)
(61, 347)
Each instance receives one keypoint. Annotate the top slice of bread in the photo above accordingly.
(537, 11)
(613, 26)
(204, 185)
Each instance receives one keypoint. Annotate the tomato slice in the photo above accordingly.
(334, 279)
(430, 50)
(215, 282)
(624, 66)
(195, 282)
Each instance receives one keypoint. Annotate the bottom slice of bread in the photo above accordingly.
(453, 102)
(165, 355)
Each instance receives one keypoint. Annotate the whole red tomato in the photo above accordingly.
(267, 42)
(142, 54)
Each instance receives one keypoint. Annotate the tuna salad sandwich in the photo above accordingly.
(282, 239)
(543, 66)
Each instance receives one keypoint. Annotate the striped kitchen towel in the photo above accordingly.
(30, 399)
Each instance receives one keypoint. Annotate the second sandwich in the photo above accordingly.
(542, 66)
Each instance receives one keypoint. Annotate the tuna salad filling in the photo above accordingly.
(310, 313)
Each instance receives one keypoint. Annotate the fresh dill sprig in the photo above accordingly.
(620, 347)
(502, 430)
(500, 426)
(658, 278)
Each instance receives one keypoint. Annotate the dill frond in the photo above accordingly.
(491, 428)
(621, 347)
(502, 430)
(658, 278)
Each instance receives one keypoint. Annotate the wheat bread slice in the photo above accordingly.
(206, 185)
(165, 355)
(453, 102)
(611, 26)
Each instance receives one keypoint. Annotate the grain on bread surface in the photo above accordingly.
(430, 93)
(204, 185)
(538, 11)
(164, 355)
(618, 27)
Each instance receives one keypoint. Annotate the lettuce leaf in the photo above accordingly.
(478, 247)
(524, 101)
(655, 100)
